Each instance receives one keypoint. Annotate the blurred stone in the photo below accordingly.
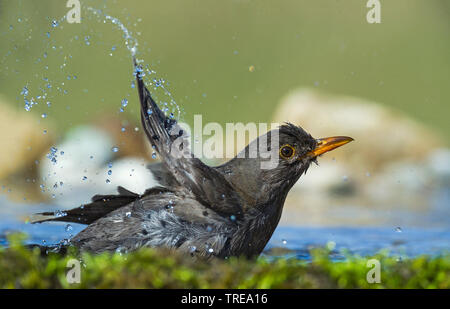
(126, 134)
(22, 138)
(439, 164)
(394, 165)
(381, 134)
(85, 164)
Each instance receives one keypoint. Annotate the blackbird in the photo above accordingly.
(223, 211)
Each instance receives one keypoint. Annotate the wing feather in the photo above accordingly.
(207, 184)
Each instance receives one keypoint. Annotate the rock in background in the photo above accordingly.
(96, 159)
(395, 163)
(87, 160)
(23, 138)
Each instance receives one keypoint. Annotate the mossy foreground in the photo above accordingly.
(147, 268)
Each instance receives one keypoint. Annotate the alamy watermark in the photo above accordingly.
(73, 274)
(213, 141)
(74, 14)
(374, 14)
(374, 274)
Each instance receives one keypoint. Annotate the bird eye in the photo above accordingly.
(287, 151)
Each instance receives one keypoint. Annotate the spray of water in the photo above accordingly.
(132, 44)
(51, 87)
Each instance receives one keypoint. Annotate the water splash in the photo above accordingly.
(132, 44)
(52, 155)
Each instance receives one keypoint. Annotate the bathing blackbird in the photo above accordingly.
(223, 211)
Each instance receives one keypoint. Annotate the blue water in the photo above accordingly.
(362, 241)
(430, 237)
(297, 241)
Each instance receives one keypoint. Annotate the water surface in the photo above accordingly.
(287, 241)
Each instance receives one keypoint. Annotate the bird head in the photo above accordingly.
(296, 150)
(292, 149)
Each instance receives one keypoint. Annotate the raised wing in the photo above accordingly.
(207, 184)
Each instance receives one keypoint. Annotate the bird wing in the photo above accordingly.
(207, 184)
(162, 175)
(86, 214)
(157, 220)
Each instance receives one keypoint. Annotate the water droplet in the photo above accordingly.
(398, 229)
(59, 213)
(210, 250)
(24, 91)
(108, 181)
(331, 245)
(128, 214)
(110, 164)
(68, 228)
(121, 250)
(124, 102)
(115, 149)
(55, 23)
(233, 218)
(284, 241)
(44, 115)
(84, 177)
(52, 155)
(154, 155)
(109, 172)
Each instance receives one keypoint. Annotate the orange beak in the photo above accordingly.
(329, 143)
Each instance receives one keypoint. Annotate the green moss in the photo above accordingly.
(150, 268)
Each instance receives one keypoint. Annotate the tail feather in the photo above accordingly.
(86, 214)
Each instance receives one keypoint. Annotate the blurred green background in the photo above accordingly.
(204, 49)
